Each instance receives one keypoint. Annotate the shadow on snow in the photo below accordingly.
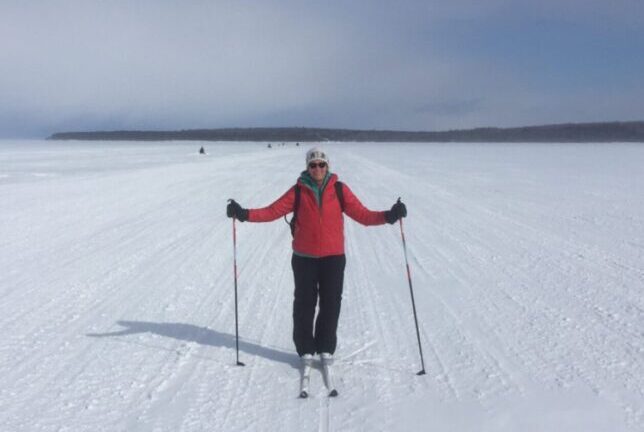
(202, 336)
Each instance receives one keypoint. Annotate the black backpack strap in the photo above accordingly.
(296, 206)
(340, 194)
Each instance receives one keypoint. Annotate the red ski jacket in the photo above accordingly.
(319, 228)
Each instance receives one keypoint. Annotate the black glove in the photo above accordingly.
(397, 211)
(233, 209)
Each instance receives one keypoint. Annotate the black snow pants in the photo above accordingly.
(317, 278)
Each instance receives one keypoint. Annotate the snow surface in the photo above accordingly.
(117, 306)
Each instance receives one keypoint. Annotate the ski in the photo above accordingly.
(305, 379)
(327, 375)
(327, 362)
(304, 382)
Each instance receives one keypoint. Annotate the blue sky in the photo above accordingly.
(412, 65)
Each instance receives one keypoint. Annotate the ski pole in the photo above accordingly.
(235, 271)
(413, 303)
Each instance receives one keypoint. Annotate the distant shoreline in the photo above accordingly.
(569, 132)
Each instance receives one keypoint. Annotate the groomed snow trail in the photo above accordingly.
(117, 309)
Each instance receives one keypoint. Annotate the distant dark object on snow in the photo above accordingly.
(269, 145)
(202, 151)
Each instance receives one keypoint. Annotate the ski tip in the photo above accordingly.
(304, 395)
(421, 372)
(333, 393)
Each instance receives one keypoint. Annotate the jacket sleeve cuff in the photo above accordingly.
(243, 215)
(390, 218)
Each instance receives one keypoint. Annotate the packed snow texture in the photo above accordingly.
(117, 309)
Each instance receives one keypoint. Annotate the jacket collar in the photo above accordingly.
(306, 180)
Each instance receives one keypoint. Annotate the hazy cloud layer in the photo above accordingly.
(421, 65)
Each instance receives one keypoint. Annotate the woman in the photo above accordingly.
(318, 248)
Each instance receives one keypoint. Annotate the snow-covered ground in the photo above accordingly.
(117, 300)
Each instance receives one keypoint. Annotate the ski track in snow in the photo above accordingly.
(117, 289)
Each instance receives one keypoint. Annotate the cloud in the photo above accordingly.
(417, 64)
(451, 107)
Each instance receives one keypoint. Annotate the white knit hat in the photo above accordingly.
(316, 154)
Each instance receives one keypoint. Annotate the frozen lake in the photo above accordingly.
(117, 289)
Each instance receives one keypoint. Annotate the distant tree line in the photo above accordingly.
(570, 132)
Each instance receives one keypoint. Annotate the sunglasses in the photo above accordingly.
(318, 165)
